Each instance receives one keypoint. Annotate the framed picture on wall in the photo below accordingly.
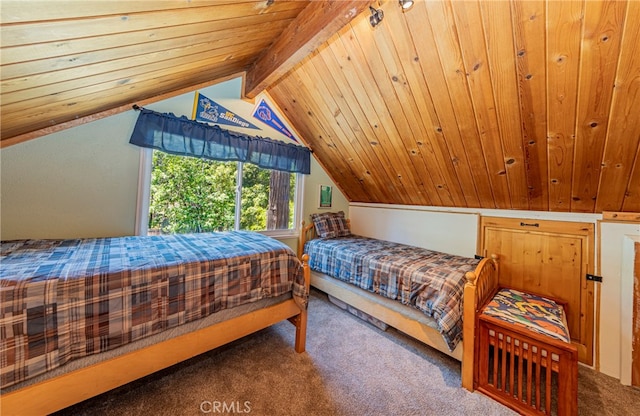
(325, 196)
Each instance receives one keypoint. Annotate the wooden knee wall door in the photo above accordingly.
(548, 258)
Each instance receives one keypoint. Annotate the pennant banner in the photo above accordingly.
(208, 111)
(264, 113)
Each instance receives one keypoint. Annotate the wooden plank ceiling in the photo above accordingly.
(68, 60)
(531, 105)
(497, 104)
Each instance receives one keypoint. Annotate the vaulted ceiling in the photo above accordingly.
(497, 104)
(64, 62)
(530, 105)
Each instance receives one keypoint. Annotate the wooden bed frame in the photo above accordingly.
(57, 393)
(481, 286)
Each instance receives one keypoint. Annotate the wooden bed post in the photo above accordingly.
(300, 321)
(477, 291)
(302, 239)
(468, 331)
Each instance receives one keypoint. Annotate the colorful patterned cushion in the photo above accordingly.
(534, 312)
(330, 224)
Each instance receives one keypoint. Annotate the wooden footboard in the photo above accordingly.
(481, 286)
(71, 388)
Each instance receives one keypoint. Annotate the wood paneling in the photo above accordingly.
(470, 31)
(498, 29)
(529, 28)
(448, 63)
(69, 60)
(501, 104)
(623, 139)
(601, 39)
(564, 31)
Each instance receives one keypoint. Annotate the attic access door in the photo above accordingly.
(548, 258)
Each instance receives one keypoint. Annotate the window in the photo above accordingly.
(184, 194)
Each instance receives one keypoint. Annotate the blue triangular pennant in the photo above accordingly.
(265, 114)
(208, 111)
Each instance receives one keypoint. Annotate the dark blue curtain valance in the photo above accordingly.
(181, 136)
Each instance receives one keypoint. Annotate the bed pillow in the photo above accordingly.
(330, 224)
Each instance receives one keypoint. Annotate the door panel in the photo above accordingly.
(548, 258)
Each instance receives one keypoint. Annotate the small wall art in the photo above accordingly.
(325, 196)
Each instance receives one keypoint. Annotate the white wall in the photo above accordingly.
(312, 193)
(616, 298)
(80, 182)
(83, 181)
(455, 230)
(448, 232)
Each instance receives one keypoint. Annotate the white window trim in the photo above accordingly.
(297, 213)
(144, 195)
(239, 170)
(144, 192)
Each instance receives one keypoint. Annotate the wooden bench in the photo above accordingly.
(524, 356)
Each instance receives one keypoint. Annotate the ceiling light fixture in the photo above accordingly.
(406, 4)
(376, 16)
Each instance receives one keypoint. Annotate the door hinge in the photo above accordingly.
(594, 278)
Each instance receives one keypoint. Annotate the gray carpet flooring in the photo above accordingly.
(349, 368)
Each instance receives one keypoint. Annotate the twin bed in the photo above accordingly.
(431, 296)
(81, 317)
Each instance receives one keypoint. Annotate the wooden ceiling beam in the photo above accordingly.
(310, 29)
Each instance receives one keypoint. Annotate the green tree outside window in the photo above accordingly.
(199, 195)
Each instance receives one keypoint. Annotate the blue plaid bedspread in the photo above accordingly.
(430, 281)
(65, 299)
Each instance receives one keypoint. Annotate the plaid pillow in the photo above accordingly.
(330, 224)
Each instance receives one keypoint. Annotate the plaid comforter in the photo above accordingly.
(430, 281)
(65, 299)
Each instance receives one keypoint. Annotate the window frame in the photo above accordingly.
(144, 197)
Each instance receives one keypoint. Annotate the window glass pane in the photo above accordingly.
(267, 199)
(191, 195)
